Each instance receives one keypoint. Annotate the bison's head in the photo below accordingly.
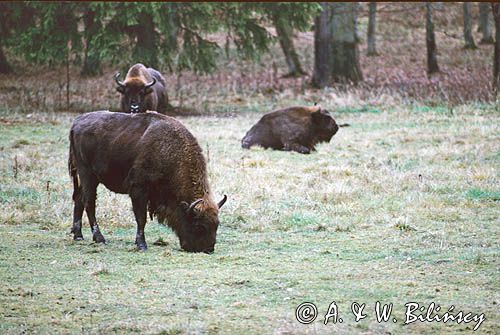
(324, 125)
(134, 94)
(199, 228)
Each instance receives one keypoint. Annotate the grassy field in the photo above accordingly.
(401, 206)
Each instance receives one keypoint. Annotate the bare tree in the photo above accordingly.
(91, 59)
(345, 43)
(146, 47)
(323, 47)
(496, 55)
(484, 23)
(430, 39)
(469, 39)
(5, 31)
(372, 17)
(4, 65)
(285, 37)
(336, 55)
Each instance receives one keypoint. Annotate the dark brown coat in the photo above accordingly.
(292, 129)
(143, 89)
(154, 159)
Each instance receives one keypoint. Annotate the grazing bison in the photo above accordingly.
(156, 161)
(292, 129)
(143, 89)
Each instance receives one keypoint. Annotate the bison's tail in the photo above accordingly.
(152, 209)
(72, 166)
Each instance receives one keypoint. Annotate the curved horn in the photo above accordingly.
(121, 84)
(150, 84)
(222, 202)
(189, 211)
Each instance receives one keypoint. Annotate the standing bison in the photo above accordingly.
(143, 89)
(292, 129)
(156, 161)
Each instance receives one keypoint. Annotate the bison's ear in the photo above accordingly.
(189, 209)
(184, 205)
(148, 87)
(120, 89)
(185, 209)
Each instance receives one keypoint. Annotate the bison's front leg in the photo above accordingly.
(297, 148)
(139, 204)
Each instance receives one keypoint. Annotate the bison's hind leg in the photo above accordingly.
(140, 206)
(89, 185)
(78, 208)
(77, 214)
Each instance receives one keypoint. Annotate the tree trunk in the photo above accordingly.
(172, 28)
(322, 47)
(6, 10)
(469, 40)
(496, 56)
(345, 54)
(91, 61)
(4, 65)
(432, 64)
(146, 48)
(67, 80)
(484, 23)
(372, 16)
(285, 32)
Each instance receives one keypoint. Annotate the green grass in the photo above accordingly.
(401, 206)
(479, 194)
(362, 109)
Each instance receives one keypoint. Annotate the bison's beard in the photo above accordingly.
(158, 211)
(165, 216)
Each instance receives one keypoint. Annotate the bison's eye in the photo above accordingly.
(199, 229)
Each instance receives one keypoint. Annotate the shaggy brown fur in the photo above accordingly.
(154, 159)
(292, 129)
(143, 89)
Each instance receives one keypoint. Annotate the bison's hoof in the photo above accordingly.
(98, 238)
(78, 238)
(142, 247)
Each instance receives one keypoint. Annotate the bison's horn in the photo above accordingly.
(121, 84)
(222, 202)
(150, 84)
(192, 206)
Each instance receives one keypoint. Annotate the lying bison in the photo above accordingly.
(143, 89)
(156, 161)
(292, 129)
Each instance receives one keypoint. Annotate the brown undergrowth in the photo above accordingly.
(397, 74)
